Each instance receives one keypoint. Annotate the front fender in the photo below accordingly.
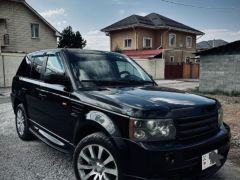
(99, 121)
(104, 121)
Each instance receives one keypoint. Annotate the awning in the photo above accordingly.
(143, 53)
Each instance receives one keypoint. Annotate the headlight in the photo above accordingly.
(152, 130)
(220, 116)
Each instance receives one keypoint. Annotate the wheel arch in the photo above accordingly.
(95, 121)
(16, 102)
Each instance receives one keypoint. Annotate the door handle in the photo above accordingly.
(42, 95)
(24, 89)
(74, 115)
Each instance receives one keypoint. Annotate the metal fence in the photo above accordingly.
(182, 71)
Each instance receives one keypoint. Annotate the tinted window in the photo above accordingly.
(54, 65)
(128, 67)
(24, 68)
(93, 69)
(37, 67)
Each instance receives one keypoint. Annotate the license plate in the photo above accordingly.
(207, 161)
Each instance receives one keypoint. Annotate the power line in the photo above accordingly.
(201, 7)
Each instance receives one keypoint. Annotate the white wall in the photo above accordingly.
(9, 63)
(154, 67)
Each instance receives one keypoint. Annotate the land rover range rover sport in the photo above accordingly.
(116, 121)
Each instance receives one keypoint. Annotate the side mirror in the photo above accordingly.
(58, 78)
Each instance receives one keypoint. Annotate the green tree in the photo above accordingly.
(70, 39)
(79, 42)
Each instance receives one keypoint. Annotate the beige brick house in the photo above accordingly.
(22, 29)
(153, 36)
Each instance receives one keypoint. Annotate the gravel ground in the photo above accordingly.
(31, 160)
(34, 160)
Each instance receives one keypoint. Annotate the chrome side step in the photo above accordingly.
(46, 141)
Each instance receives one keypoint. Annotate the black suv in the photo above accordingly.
(118, 123)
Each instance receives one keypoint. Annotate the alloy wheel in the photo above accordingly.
(97, 163)
(20, 122)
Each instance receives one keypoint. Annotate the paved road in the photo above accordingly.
(34, 160)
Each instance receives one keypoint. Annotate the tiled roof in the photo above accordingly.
(153, 20)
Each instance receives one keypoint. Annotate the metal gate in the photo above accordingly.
(182, 71)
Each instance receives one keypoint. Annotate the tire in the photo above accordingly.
(22, 125)
(90, 163)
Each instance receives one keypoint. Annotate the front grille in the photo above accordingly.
(200, 127)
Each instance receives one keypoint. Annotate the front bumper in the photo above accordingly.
(172, 160)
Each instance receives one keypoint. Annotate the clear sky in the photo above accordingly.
(219, 19)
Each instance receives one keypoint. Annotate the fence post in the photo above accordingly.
(4, 75)
(155, 74)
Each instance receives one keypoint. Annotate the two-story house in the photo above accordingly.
(22, 30)
(153, 36)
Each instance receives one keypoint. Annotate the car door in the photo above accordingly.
(33, 98)
(55, 99)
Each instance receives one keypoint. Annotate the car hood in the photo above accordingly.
(149, 101)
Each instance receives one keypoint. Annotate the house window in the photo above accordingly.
(6, 39)
(35, 30)
(172, 40)
(172, 59)
(127, 43)
(189, 42)
(147, 42)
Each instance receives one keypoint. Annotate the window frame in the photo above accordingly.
(46, 64)
(169, 40)
(42, 66)
(25, 68)
(191, 44)
(33, 32)
(127, 47)
(144, 42)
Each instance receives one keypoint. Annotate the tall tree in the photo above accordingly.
(79, 42)
(70, 39)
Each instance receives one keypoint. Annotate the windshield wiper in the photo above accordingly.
(138, 81)
(118, 82)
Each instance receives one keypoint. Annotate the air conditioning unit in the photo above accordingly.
(6, 40)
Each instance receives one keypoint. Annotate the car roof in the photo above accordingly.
(71, 51)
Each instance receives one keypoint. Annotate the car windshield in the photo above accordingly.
(107, 70)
